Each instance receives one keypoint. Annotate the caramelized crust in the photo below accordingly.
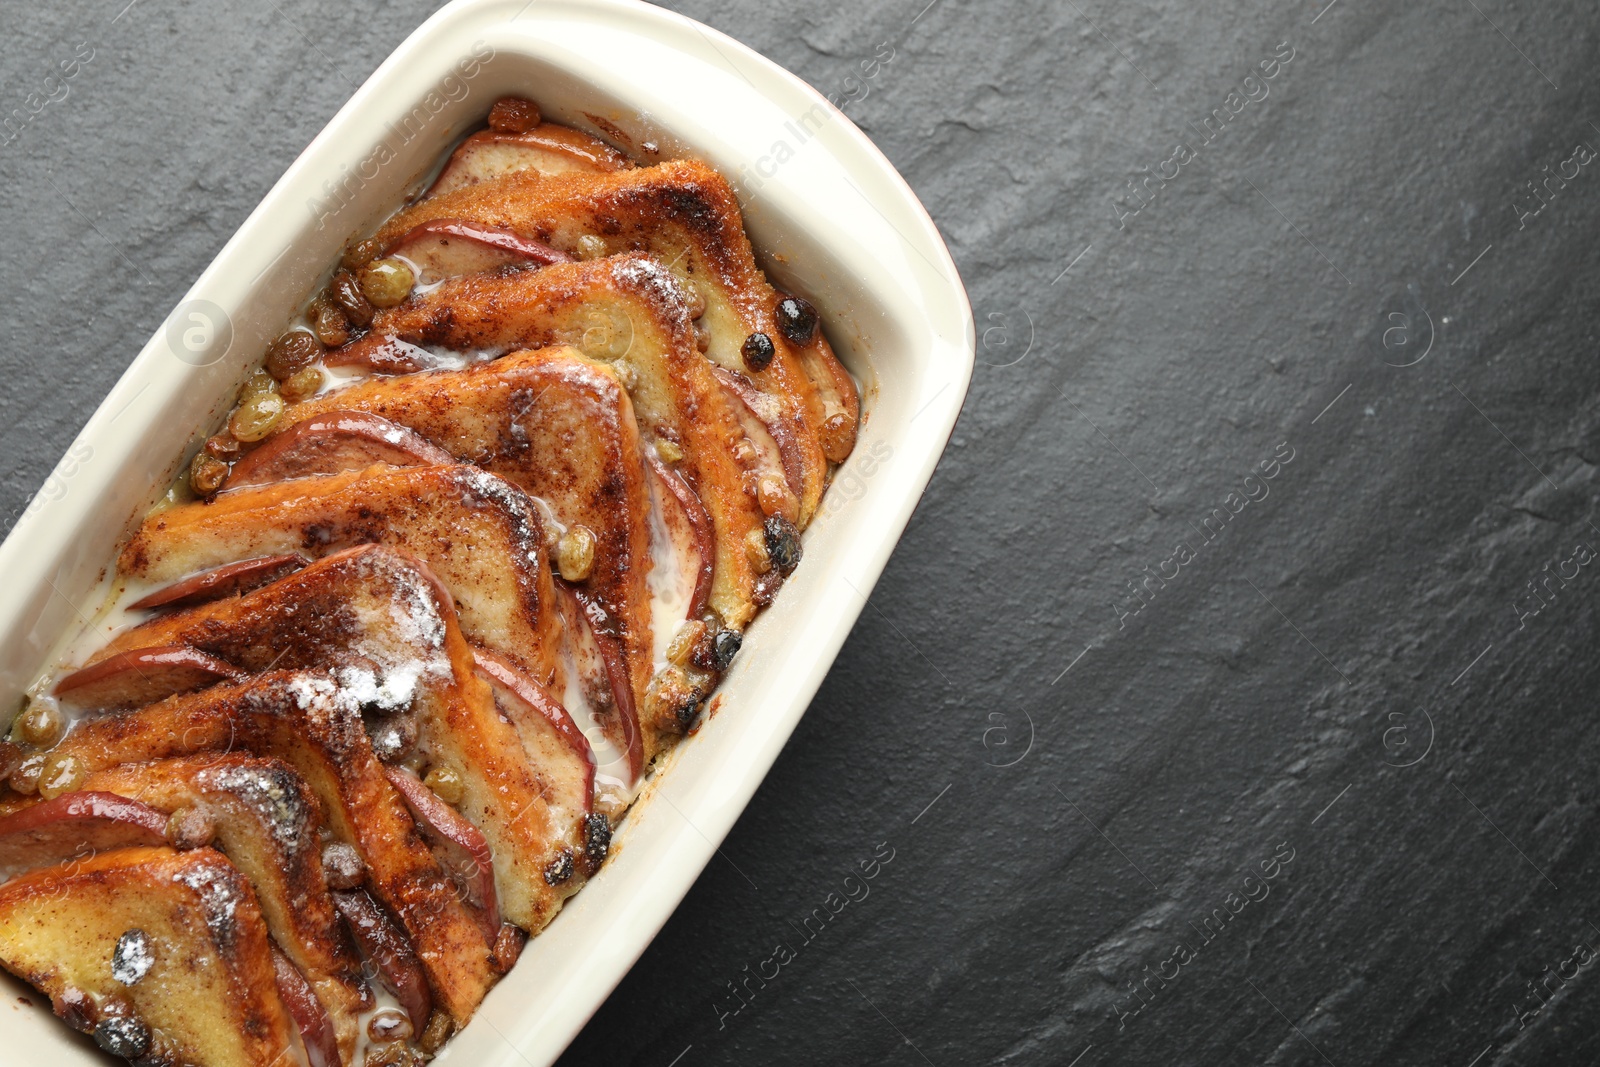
(171, 944)
(314, 725)
(378, 619)
(480, 535)
(685, 214)
(627, 310)
(266, 820)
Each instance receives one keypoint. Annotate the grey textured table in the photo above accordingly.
(1208, 712)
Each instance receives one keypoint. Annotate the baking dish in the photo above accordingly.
(829, 217)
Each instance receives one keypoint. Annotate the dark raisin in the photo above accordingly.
(597, 838)
(123, 1036)
(292, 352)
(758, 351)
(783, 543)
(724, 647)
(686, 712)
(345, 292)
(559, 869)
(797, 319)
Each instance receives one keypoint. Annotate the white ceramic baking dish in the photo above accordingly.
(830, 218)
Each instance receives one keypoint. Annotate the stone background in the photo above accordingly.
(1350, 673)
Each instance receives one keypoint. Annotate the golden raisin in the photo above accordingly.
(774, 496)
(39, 724)
(437, 1032)
(591, 246)
(255, 418)
(258, 383)
(345, 292)
(446, 783)
(513, 114)
(668, 450)
(838, 437)
(390, 1024)
(206, 473)
(684, 642)
(329, 323)
(303, 383)
(386, 282)
(361, 253)
(294, 351)
(575, 556)
(61, 772)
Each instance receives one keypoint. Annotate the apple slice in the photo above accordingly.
(143, 676)
(545, 149)
(602, 668)
(470, 858)
(448, 248)
(561, 755)
(162, 956)
(686, 512)
(227, 580)
(332, 442)
(390, 952)
(75, 826)
(316, 1029)
(771, 433)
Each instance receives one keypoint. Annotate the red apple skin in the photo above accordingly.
(143, 676)
(310, 1017)
(386, 946)
(700, 521)
(381, 354)
(332, 442)
(448, 823)
(511, 679)
(229, 580)
(451, 247)
(782, 433)
(75, 825)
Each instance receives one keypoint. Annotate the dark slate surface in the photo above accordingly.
(1348, 666)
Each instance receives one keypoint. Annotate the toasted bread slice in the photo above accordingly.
(685, 214)
(266, 821)
(630, 311)
(163, 956)
(560, 427)
(480, 535)
(312, 723)
(545, 149)
(380, 620)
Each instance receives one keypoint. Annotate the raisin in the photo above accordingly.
(797, 319)
(758, 351)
